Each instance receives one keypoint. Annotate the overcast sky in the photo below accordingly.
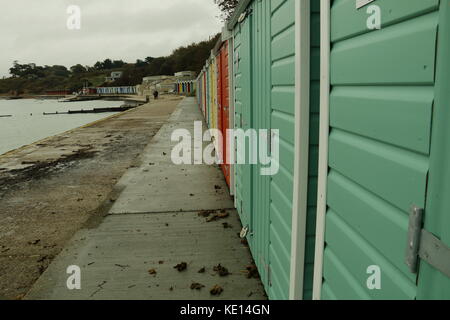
(36, 30)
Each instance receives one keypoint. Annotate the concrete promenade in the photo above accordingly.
(155, 225)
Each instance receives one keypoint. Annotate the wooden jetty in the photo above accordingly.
(95, 110)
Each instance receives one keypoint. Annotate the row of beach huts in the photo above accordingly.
(181, 87)
(359, 93)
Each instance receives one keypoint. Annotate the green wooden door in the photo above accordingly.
(261, 88)
(432, 283)
(271, 84)
(243, 117)
(282, 118)
(381, 109)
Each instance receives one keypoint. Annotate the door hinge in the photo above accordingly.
(414, 230)
(425, 245)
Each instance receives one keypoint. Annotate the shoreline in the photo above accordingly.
(54, 187)
(44, 97)
(96, 97)
(63, 132)
(41, 141)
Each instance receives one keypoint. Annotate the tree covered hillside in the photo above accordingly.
(30, 78)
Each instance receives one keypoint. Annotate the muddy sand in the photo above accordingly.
(51, 189)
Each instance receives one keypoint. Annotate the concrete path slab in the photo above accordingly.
(115, 260)
(155, 225)
(160, 186)
(174, 188)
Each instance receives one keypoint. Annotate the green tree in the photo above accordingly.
(98, 65)
(20, 70)
(77, 69)
(59, 71)
(32, 79)
(107, 64)
(227, 7)
(118, 64)
(139, 63)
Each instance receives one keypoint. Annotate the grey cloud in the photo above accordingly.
(35, 31)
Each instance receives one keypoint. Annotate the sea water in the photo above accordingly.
(27, 123)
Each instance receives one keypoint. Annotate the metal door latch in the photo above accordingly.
(244, 232)
(244, 15)
(425, 245)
